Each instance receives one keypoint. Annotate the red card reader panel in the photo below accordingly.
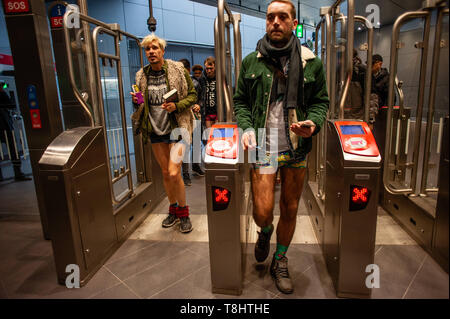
(223, 141)
(357, 138)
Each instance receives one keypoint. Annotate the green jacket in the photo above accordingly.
(144, 125)
(251, 100)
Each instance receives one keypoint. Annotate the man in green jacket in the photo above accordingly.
(281, 90)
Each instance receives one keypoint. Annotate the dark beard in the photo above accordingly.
(278, 43)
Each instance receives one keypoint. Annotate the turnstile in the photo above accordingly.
(228, 201)
(75, 178)
(350, 220)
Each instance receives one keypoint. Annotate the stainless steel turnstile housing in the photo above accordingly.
(81, 221)
(349, 236)
(228, 226)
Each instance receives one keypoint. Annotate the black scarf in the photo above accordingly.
(295, 73)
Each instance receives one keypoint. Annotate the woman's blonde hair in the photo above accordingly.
(153, 37)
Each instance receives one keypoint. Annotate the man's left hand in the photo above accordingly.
(169, 107)
(303, 128)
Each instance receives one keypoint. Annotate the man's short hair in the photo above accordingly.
(210, 60)
(153, 37)
(186, 63)
(197, 67)
(289, 2)
(377, 58)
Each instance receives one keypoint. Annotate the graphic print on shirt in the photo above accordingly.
(159, 118)
(157, 87)
(211, 97)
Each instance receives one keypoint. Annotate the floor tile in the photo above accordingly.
(390, 233)
(398, 265)
(431, 282)
(145, 258)
(155, 279)
(195, 286)
(129, 247)
(119, 291)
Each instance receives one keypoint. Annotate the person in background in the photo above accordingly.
(380, 80)
(196, 109)
(6, 126)
(197, 71)
(208, 98)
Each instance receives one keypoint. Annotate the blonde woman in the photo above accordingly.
(156, 119)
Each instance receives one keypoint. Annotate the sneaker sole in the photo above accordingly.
(186, 231)
(175, 222)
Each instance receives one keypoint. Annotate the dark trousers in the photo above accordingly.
(12, 150)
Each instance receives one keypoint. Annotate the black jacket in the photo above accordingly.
(5, 119)
(380, 86)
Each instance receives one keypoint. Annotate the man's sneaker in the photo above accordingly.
(197, 170)
(185, 225)
(172, 219)
(262, 245)
(279, 272)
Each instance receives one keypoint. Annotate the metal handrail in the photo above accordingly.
(368, 80)
(223, 90)
(431, 100)
(105, 28)
(127, 172)
(76, 92)
(393, 71)
(349, 44)
(322, 137)
(316, 41)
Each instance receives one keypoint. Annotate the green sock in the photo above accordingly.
(281, 251)
(267, 229)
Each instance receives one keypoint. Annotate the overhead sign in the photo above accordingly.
(56, 16)
(16, 6)
(299, 31)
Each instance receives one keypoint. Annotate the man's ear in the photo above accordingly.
(295, 22)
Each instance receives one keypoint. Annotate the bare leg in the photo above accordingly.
(291, 190)
(263, 187)
(173, 183)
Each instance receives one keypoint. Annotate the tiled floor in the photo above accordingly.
(163, 263)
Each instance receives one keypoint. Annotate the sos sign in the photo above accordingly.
(16, 6)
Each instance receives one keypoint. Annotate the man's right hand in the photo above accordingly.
(248, 141)
(133, 96)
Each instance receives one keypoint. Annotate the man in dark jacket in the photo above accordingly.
(6, 126)
(380, 80)
(208, 95)
(281, 90)
(196, 110)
